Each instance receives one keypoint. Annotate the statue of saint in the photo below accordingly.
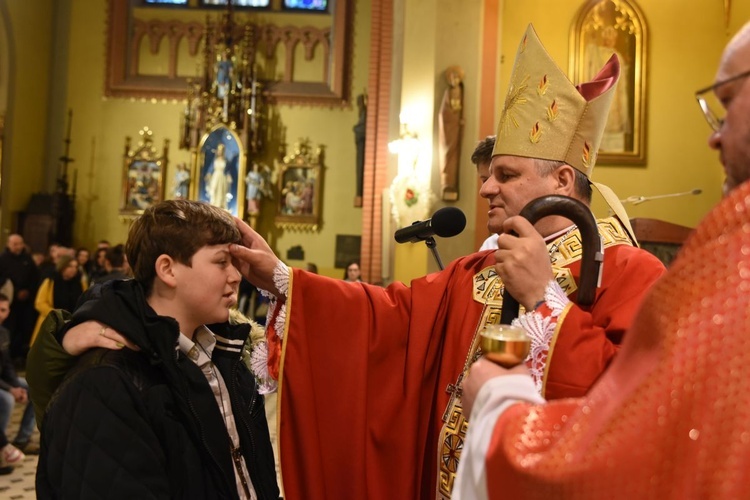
(219, 180)
(359, 139)
(258, 186)
(450, 130)
(181, 182)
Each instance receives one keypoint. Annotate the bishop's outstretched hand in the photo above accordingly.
(254, 258)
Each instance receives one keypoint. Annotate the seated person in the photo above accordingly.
(13, 389)
(181, 417)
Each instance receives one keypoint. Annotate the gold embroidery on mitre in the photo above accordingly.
(535, 134)
(586, 155)
(542, 87)
(580, 117)
(552, 111)
(514, 98)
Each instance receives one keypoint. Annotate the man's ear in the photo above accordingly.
(165, 270)
(565, 178)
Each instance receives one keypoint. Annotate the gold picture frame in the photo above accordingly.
(300, 188)
(601, 28)
(142, 175)
(219, 171)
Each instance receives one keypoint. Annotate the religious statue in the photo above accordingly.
(450, 130)
(359, 139)
(258, 186)
(181, 182)
(224, 72)
(219, 180)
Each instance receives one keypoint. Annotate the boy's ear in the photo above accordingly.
(565, 177)
(165, 270)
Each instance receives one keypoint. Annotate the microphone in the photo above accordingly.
(446, 222)
(637, 200)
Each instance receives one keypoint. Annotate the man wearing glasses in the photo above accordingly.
(729, 120)
(669, 419)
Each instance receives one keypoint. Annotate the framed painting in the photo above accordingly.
(220, 171)
(603, 28)
(300, 188)
(142, 175)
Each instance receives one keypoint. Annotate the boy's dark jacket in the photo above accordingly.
(127, 424)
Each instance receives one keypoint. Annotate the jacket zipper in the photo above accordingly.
(204, 441)
(252, 469)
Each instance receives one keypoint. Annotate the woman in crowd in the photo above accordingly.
(353, 273)
(61, 291)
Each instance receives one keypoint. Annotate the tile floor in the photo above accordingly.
(19, 484)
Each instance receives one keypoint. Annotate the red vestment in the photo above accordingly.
(671, 417)
(364, 370)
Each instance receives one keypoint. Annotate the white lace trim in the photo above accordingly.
(280, 321)
(541, 329)
(259, 367)
(281, 278)
(281, 281)
(555, 298)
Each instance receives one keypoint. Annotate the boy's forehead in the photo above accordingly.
(219, 247)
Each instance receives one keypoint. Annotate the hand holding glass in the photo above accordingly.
(505, 345)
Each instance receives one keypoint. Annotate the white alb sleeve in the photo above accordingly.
(495, 396)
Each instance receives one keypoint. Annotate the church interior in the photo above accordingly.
(80, 79)
(321, 122)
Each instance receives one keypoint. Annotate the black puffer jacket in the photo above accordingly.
(128, 424)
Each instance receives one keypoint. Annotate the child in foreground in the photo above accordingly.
(181, 417)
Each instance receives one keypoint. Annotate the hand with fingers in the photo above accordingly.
(19, 394)
(522, 261)
(254, 258)
(92, 334)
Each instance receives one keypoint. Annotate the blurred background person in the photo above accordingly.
(16, 263)
(62, 291)
(353, 272)
(98, 267)
(84, 263)
(115, 265)
(48, 266)
(13, 389)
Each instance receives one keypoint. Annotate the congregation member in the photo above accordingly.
(16, 263)
(181, 417)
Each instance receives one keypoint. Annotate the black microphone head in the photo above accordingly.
(448, 221)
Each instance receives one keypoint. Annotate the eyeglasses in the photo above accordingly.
(712, 108)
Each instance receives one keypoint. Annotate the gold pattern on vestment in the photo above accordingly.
(488, 290)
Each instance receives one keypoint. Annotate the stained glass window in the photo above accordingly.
(239, 3)
(167, 2)
(314, 5)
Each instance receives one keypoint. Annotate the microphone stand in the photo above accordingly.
(432, 245)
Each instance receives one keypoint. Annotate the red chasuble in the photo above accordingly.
(367, 374)
(671, 418)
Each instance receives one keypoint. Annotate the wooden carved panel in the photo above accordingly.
(130, 33)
